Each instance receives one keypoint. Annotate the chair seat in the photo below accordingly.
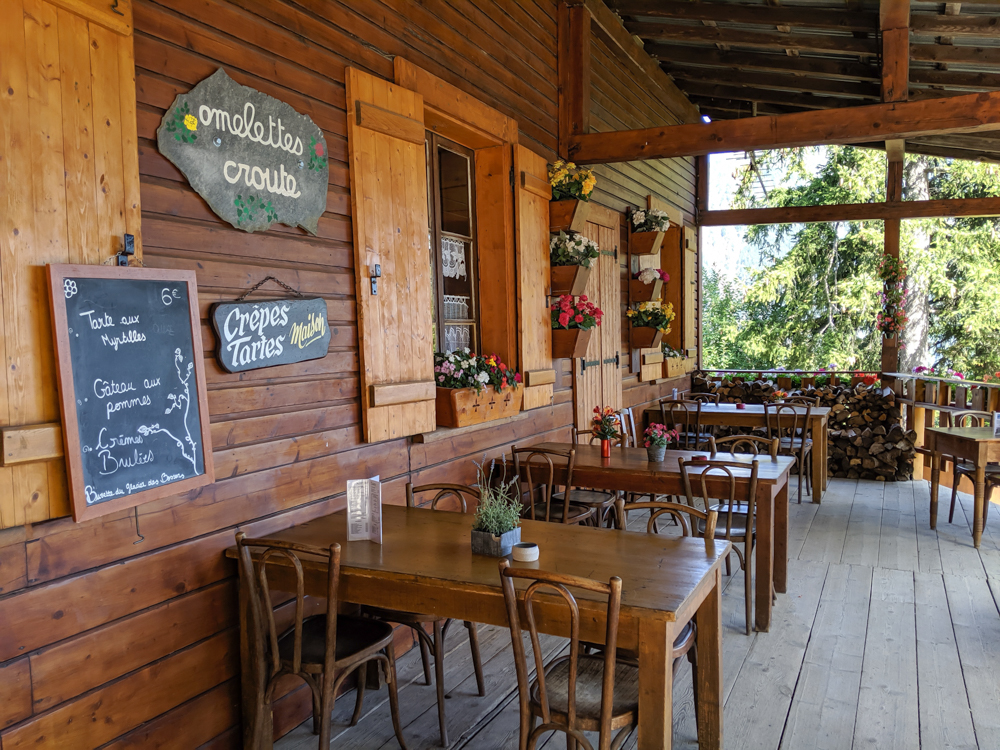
(738, 529)
(967, 467)
(793, 443)
(354, 635)
(586, 497)
(590, 676)
(398, 615)
(576, 512)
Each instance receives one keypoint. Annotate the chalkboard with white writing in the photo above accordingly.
(132, 385)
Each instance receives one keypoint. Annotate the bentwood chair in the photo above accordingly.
(802, 400)
(792, 427)
(534, 471)
(737, 520)
(603, 503)
(705, 398)
(323, 650)
(964, 468)
(627, 421)
(457, 496)
(751, 444)
(576, 693)
(685, 416)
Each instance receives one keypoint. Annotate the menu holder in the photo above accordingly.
(364, 510)
(996, 424)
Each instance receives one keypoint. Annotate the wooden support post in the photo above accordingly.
(574, 72)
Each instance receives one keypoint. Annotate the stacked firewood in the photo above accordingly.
(867, 438)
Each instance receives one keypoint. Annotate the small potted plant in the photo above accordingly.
(779, 396)
(571, 257)
(658, 437)
(573, 323)
(648, 322)
(604, 426)
(497, 524)
(571, 190)
(648, 285)
(646, 230)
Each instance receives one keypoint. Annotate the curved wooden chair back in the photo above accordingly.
(263, 626)
(970, 419)
(627, 421)
(587, 437)
(705, 398)
(685, 416)
(458, 492)
(803, 400)
(681, 513)
(559, 584)
(748, 444)
(534, 468)
(717, 480)
(787, 421)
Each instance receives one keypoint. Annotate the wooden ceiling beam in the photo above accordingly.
(956, 114)
(844, 20)
(777, 81)
(759, 39)
(954, 78)
(933, 24)
(766, 62)
(770, 96)
(948, 208)
(574, 72)
(947, 53)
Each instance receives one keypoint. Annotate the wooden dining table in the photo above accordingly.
(630, 470)
(976, 444)
(727, 415)
(425, 564)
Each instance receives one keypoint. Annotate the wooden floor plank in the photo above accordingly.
(898, 532)
(825, 540)
(928, 551)
(977, 633)
(861, 545)
(887, 703)
(826, 697)
(945, 716)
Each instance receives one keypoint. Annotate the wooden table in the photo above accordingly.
(629, 470)
(976, 444)
(426, 565)
(727, 415)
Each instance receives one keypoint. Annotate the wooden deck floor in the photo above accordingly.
(888, 637)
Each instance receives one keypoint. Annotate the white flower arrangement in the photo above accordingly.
(649, 275)
(572, 250)
(653, 220)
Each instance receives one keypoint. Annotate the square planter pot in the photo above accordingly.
(461, 407)
(645, 243)
(784, 382)
(644, 337)
(673, 367)
(484, 543)
(568, 215)
(808, 383)
(570, 343)
(639, 292)
(569, 279)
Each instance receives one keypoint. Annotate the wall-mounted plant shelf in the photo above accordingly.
(639, 292)
(569, 343)
(568, 215)
(645, 337)
(645, 243)
(569, 280)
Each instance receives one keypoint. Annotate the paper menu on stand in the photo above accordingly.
(364, 510)
(996, 424)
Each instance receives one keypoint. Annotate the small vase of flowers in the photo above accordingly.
(604, 426)
(497, 524)
(779, 396)
(658, 437)
(573, 321)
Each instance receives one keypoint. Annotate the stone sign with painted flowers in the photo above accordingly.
(253, 158)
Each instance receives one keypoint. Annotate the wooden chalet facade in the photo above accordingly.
(121, 631)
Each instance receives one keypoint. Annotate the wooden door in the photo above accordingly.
(534, 320)
(385, 134)
(70, 190)
(596, 378)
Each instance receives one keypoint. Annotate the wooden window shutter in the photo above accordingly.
(691, 295)
(385, 135)
(534, 320)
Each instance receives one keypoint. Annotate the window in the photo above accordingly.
(450, 212)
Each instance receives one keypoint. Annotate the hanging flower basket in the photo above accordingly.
(645, 243)
(461, 407)
(645, 337)
(570, 280)
(570, 343)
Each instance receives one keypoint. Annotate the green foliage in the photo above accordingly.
(499, 509)
(813, 298)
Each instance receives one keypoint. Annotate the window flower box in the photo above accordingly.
(461, 407)
(569, 343)
(673, 367)
(570, 280)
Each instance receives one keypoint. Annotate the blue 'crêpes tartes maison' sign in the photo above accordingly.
(253, 158)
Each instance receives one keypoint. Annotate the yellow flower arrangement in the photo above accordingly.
(570, 181)
(191, 122)
(651, 315)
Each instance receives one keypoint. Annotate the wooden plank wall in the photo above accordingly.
(151, 585)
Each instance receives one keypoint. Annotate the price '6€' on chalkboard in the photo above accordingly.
(131, 385)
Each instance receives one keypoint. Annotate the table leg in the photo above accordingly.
(656, 684)
(824, 431)
(781, 540)
(980, 498)
(818, 462)
(764, 579)
(935, 485)
(708, 680)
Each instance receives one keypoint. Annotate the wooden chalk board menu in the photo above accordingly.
(131, 383)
